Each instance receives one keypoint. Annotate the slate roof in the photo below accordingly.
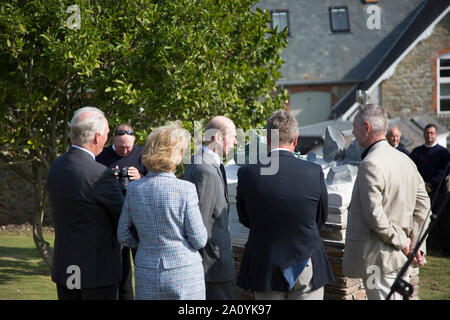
(317, 55)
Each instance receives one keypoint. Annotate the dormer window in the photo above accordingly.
(339, 19)
(280, 20)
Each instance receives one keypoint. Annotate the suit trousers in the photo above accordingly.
(300, 291)
(102, 293)
(224, 290)
(378, 290)
(126, 284)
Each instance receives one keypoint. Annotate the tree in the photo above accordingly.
(148, 62)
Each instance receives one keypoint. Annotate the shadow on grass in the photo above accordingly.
(18, 262)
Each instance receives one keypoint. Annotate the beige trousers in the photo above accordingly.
(300, 291)
(379, 289)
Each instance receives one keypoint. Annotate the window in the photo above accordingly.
(280, 19)
(443, 86)
(339, 19)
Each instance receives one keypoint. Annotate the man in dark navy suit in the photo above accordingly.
(284, 257)
(86, 203)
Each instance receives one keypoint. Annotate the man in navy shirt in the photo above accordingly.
(432, 161)
(124, 153)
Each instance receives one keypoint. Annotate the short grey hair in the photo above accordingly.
(85, 123)
(375, 115)
(286, 125)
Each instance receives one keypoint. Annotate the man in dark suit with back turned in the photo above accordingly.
(284, 256)
(86, 203)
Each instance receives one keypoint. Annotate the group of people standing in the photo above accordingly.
(178, 229)
(432, 161)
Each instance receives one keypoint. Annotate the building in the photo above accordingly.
(395, 52)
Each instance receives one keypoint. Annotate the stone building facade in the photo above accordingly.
(412, 87)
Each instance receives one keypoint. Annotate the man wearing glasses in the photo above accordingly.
(123, 154)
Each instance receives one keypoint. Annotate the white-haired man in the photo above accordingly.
(389, 206)
(86, 203)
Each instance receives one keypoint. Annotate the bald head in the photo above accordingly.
(220, 135)
(393, 136)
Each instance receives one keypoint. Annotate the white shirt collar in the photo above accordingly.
(85, 150)
(278, 149)
(433, 145)
(214, 155)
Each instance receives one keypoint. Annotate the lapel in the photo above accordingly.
(208, 160)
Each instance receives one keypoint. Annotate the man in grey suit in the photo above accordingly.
(389, 206)
(207, 172)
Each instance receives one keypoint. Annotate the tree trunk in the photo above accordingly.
(43, 246)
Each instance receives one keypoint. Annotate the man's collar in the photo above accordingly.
(433, 145)
(365, 152)
(85, 150)
(279, 149)
(214, 156)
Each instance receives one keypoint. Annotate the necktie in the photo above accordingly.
(224, 176)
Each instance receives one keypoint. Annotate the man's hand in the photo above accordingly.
(419, 259)
(407, 249)
(428, 188)
(134, 173)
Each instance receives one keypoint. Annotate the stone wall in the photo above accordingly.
(17, 198)
(412, 88)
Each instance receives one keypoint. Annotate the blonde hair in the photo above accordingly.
(165, 147)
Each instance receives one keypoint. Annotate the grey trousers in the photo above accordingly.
(224, 290)
(300, 291)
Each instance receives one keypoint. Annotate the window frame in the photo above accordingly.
(288, 26)
(441, 80)
(330, 13)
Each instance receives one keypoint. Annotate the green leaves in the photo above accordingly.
(148, 62)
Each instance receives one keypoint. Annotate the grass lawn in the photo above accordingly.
(24, 276)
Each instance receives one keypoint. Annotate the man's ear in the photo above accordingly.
(367, 126)
(294, 143)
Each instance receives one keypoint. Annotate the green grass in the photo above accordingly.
(24, 276)
(435, 277)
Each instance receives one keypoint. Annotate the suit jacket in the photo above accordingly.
(402, 149)
(284, 212)
(389, 203)
(214, 206)
(86, 201)
(165, 212)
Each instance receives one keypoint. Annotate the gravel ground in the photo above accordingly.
(23, 228)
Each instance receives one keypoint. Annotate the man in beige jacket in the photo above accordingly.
(389, 206)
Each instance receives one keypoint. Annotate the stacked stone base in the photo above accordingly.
(343, 288)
